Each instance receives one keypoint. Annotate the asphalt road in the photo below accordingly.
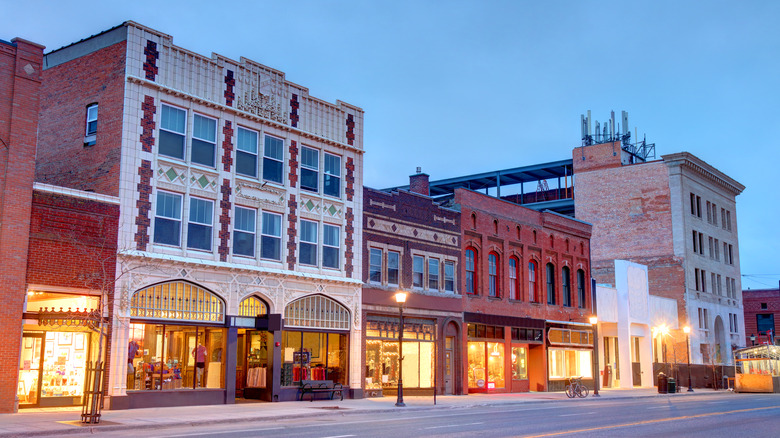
(731, 415)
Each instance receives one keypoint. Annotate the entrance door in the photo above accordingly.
(611, 363)
(28, 388)
(448, 355)
(636, 366)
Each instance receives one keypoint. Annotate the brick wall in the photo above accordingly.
(751, 301)
(20, 82)
(63, 158)
(492, 225)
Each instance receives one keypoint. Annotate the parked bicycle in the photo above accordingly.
(576, 388)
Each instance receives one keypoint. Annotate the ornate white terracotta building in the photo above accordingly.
(239, 269)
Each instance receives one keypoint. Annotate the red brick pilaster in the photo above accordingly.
(292, 231)
(349, 241)
(227, 146)
(147, 124)
(293, 175)
(224, 220)
(144, 205)
(350, 179)
(150, 65)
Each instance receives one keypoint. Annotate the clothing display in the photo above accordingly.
(256, 377)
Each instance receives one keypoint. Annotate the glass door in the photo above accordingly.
(28, 388)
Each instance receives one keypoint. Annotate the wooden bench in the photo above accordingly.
(315, 387)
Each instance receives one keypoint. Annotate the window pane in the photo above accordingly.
(273, 159)
(271, 247)
(173, 119)
(309, 169)
(274, 148)
(201, 211)
(449, 276)
(309, 179)
(245, 219)
(330, 235)
(169, 205)
(171, 144)
(272, 170)
(199, 236)
(330, 249)
(308, 254)
(332, 180)
(272, 224)
(308, 243)
(204, 128)
(246, 164)
(247, 141)
(310, 158)
(202, 152)
(417, 274)
(166, 231)
(330, 257)
(243, 243)
(308, 231)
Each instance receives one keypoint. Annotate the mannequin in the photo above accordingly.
(199, 353)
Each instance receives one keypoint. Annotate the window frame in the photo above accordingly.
(581, 290)
(270, 237)
(416, 271)
(493, 275)
(311, 170)
(449, 277)
(329, 178)
(241, 151)
(269, 160)
(397, 269)
(514, 285)
(252, 233)
(170, 132)
(550, 277)
(87, 131)
(533, 288)
(432, 265)
(373, 268)
(329, 246)
(177, 220)
(194, 224)
(202, 142)
(314, 244)
(566, 286)
(470, 266)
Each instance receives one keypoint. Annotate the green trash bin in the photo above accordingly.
(671, 385)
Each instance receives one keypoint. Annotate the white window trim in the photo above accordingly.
(252, 233)
(256, 153)
(279, 237)
(210, 225)
(179, 219)
(214, 143)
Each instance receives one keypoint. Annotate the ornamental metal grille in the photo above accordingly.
(252, 306)
(316, 311)
(177, 301)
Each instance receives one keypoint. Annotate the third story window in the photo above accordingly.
(173, 124)
(332, 178)
(244, 232)
(246, 152)
(271, 238)
(375, 265)
(330, 246)
(449, 277)
(392, 267)
(310, 164)
(471, 280)
(204, 140)
(433, 274)
(92, 119)
(273, 159)
(418, 269)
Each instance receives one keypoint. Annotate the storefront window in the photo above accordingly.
(163, 356)
(477, 376)
(570, 363)
(64, 362)
(495, 353)
(314, 356)
(56, 301)
(519, 363)
(382, 352)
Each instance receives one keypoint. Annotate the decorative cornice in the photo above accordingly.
(237, 112)
(688, 161)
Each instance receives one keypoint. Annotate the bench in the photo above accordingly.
(315, 387)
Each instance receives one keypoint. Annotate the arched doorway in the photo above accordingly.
(720, 350)
(451, 363)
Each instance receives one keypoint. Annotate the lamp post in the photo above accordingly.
(687, 331)
(594, 320)
(400, 298)
(753, 339)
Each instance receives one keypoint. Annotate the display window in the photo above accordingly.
(566, 363)
(167, 356)
(519, 363)
(382, 352)
(314, 356)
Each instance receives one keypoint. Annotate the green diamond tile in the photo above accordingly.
(309, 205)
(203, 181)
(332, 210)
(171, 174)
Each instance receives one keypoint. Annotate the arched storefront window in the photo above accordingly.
(317, 347)
(176, 339)
(252, 306)
(177, 300)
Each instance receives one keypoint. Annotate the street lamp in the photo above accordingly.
(400, 298)
(594, 320)
(687, 331)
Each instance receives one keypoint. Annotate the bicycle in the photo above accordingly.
(576, 388)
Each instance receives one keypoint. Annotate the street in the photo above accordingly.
(716, 415)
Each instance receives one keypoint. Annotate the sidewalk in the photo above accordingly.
(60, 421)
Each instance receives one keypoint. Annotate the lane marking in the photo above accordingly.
(573, 415)
(453, 425)
(640, 423)
(658, 407)
(218, 432)
(337, 436)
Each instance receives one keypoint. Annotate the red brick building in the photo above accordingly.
(526, 292)
(71, 271)
(412, 244)
(20, 81)
(762, 313)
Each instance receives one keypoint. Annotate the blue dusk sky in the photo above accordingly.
(461, 87)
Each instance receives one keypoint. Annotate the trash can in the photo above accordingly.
(671, 385)
(662, 383)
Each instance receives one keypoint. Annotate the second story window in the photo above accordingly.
(375, 265)
(173, 124)
(471, 277)
(167, 219)
(271, 236)
(532, 291)
(308, 243)
(581, 288)
(310, 163)
(246, 152)
(418, 271)
(331, 184)
(566, 283)
(244, 232)
(449, 277)
(493, 274)
(433, 274)
(393, 259)
(92, 119)
(514, 292)
(330, 246)
(550, 284)
(273, 159)
(200, 224)
(204, 141)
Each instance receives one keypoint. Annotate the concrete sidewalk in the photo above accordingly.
(61, 421)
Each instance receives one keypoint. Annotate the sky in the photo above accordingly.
(461, 87)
